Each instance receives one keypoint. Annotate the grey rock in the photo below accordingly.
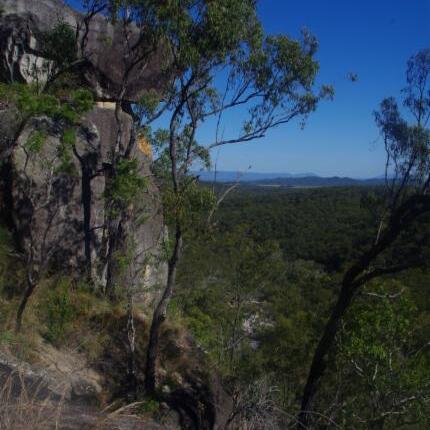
(60, 217)
(21, 58)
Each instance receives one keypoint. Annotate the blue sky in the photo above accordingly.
(372, 38)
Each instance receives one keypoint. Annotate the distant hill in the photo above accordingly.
(232, 176)
(316, 181)
(287, 179)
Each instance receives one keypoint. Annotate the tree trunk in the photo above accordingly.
(31, 286)
(319, 360)
(159, 317)
(115, 243)
(131, 336)
(152, 353)
(86, 204)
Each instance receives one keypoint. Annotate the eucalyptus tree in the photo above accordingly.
(407, 201)
(228, 72)
(383, 361)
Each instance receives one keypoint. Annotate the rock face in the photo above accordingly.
(60, 215)
(21, 57)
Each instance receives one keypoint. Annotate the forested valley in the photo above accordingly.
(269, 274)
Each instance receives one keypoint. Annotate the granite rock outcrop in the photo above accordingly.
(61, 219)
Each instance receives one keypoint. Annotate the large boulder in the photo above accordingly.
(22, 22)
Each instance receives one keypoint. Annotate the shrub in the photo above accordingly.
(59, 44)
(59, 312)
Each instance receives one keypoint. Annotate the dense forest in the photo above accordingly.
(135, 296)
(269, 273)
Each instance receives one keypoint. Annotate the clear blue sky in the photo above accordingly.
(372, 38)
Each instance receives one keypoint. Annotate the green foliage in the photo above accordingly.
(407, 138)
(272, 77)
(190, 206)
(59, 312)
(68, 111)
(197, 30)
(299, 302)
(31, 103)
(69, 137)
(65, 84)
(149, 406)
(7, 337)
(35, 141)
(81, 101)
(127, 184)
(234, 274)
(375, 329)
(294, 217)
(148, 104)
(380, 354)
(28, 101)
(269, 253)
(60, 45)
(65, 153)
(160, 142)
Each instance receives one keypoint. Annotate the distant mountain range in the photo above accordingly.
(231, 176)
(286, 179)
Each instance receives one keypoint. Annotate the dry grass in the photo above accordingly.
(24, 405)
(112, 414)
(30, 406)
